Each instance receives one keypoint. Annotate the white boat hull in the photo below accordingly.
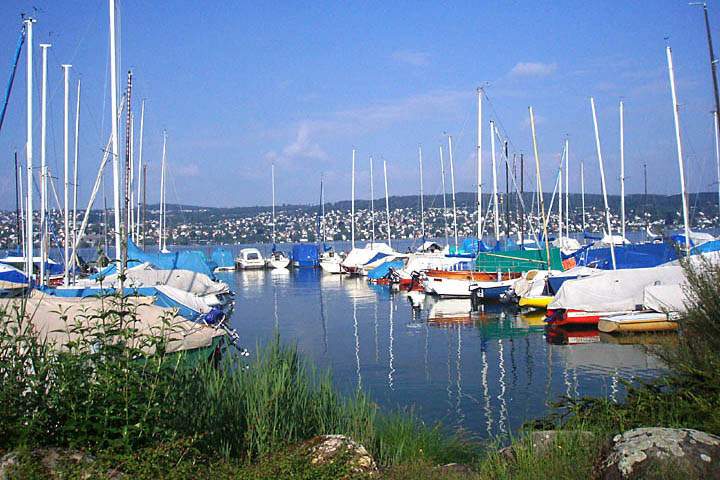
(278, 262)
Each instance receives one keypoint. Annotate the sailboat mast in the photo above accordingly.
(387, 204)
(444, 192)
(75, 171)
(582, 192)
(507, 191)
(17, 203)
(115, 150)
(622, 168)
(567, 187)
(717, 153)
(539, 187)
(522, 195)
(66, 161)
(494, 181)
(352, 202)
(560, 198)
(372, 203)
(479, 166)
(422, 195)
(713, 62)
(43, 163)
(127, 207)
(322, 209)
(602, 182)
(452, 186)
(29, 151)
(678, 141)
(144, 201)
(140, 169)
(161, 225)
(272, 181)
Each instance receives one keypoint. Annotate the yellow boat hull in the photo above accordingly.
(658, 324)
(536, 302)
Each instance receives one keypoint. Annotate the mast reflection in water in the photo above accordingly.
(487, 372)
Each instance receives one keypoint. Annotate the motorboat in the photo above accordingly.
(249, 259)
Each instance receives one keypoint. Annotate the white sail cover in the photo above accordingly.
(614, 290)
(54, 319)
(146, 276)
(360, 256)
(665, 298)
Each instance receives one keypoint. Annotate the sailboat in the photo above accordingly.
(330, 260)
(357, 258)
(277, 259)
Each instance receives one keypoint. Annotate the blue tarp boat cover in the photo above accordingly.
(378, 256)
(223, 258)
(383, 270)
(641, 255)
(707, 247)
(192, 260)
(305, 255)
(470, 246)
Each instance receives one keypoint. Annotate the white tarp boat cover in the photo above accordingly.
(201, 304)
(55, 319)
(614, 290)
(146, 276)
(360, 256)
(665, 298)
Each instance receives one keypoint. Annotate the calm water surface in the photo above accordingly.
(487, 372)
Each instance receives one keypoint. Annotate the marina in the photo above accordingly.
(199, 265)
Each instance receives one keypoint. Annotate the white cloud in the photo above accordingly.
(410, 57)
(309, 134)
(533, 69)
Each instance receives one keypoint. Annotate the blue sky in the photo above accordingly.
(239, 85)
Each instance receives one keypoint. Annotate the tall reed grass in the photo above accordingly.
(104, 392)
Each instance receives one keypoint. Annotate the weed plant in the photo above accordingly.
(688, 395)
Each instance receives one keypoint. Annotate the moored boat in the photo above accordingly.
(249, 259)
(637, 322)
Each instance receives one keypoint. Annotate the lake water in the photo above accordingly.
(486, 372)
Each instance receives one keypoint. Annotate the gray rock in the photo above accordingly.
(660, 452)
(49, 458)
(326, 449)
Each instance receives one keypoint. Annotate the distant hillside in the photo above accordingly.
(658, 205)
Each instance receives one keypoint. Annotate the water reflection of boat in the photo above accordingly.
(250, 278)
(571, 336)
(359, 289)
(531, 318)
(605, 358)
(456, 310)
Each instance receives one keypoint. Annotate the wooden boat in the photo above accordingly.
(457, 284)
(637, 322)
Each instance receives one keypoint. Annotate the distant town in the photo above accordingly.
(190, 225)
